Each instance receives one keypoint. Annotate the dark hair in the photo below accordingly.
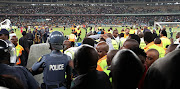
(85, 59)
(24, 33)
(121, 35)
(10, 82)
(140, 53)
(164, 32)
(148, 36)
(88, 41)
(135, 37)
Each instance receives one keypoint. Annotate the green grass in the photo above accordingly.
(68, 31)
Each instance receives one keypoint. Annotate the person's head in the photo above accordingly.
(102, 49)
(127, 70)
(85, 59)
(121, 35)
(88, 41)
(151, 56)
(127, 31)
(14, 40)
(56, 40)
(29, 31)
(66, 44)
(140, 53)
(157, 41)
(171, 47)
(140, 34)
(135, 37)
(110, 56)
(4, 52)
(145, 27)
(115, 33)
(178, 35)
(24, 33)
(4, 34)
(130, 43)
(148, 37)
(163, 33)
(10, 82)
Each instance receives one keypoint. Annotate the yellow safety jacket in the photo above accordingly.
(102, 65)
(115, 44)
(72, 37)
(154, 46)
(19, 50)
(165, 41)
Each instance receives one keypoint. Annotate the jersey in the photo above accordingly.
(54, 65)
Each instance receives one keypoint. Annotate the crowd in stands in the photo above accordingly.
(80, 9)
(90, 20)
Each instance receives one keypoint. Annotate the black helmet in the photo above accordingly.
(4, 48)
(56, 39)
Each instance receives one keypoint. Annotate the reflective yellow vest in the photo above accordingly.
(131, 31)
(154, 46)
(165, 41)
(19, 50)
(115, 44)
(102, 65)
(72, 37)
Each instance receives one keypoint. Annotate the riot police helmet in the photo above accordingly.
(55, 40)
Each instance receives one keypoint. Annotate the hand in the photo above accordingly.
(104, 36)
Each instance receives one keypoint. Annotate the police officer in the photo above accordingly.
(19, 72)
(4, 35)
(54, 65)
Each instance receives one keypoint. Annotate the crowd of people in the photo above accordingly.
(88, 20)
(89, 9)
(129, 59)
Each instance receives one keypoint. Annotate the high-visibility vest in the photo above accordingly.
(19, 50)
(126, 36)
(102, 65)
(165, 41)
(142, 44)
(78, 31)
(115, 44)
(154, 46)
(72, 37)
(131, 31)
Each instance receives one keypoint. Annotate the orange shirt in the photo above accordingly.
(98, 63)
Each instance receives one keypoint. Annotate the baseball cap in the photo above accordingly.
(4, 31)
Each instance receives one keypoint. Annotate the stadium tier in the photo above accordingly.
(57, 14)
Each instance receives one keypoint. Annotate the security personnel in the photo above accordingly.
(19, 51)
(165, 41)
(4, 35)
(54, 65)
(78, 33)
(148, 39)
(19, 72)
(72, 38)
